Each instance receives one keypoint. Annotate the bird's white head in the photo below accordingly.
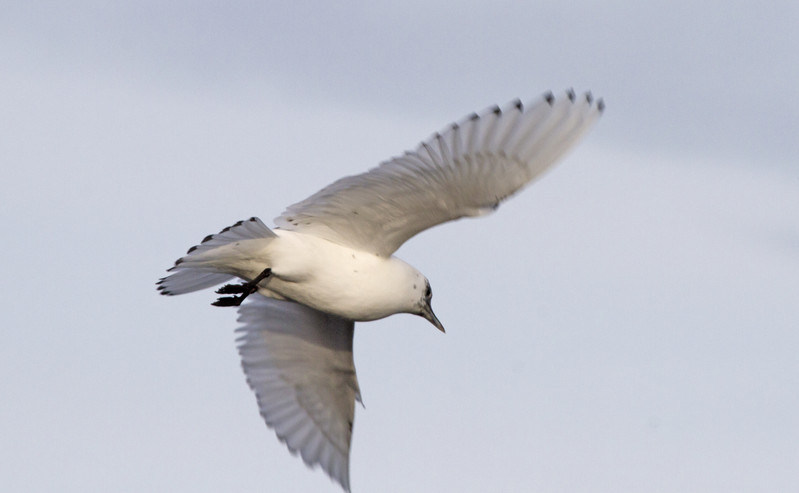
(425, 308)
(412, 290)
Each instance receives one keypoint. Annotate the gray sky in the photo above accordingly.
(627, 324)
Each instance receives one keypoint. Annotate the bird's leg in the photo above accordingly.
(245, 289)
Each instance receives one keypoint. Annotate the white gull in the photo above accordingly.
(330, 262)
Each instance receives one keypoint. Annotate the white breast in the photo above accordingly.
(335, 279)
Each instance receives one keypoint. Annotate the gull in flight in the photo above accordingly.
(329, 262)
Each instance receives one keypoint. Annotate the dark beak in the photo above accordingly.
(427, 312)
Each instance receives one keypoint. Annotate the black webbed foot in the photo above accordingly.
(232, 289)
(245, 289)
(228, 301)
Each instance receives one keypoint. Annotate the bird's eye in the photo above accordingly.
(428, 293)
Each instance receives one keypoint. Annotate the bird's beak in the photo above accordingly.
(427, 312)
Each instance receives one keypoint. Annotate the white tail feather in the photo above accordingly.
(187, 277)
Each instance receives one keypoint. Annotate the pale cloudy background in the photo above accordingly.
(628, 324)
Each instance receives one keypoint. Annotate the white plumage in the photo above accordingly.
(330, 262)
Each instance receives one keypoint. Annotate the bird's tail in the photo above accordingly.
(197, 270)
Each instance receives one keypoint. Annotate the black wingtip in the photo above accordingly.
(549, 98)
(572, 96)
(600, 105)
(589, 98)
(162, 289)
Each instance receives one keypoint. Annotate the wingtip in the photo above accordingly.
(571, 94)
(163, 289)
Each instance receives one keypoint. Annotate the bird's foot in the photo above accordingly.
(244, 289)
(233, 288)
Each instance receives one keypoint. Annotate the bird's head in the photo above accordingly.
(424, 307)
(410, 290)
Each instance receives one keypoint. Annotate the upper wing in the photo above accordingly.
(299, 363)
(466, 170)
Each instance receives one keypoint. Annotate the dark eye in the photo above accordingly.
(428, 293)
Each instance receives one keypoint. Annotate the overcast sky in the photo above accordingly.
(627, 324)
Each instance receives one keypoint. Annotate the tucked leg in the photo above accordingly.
(245, 289)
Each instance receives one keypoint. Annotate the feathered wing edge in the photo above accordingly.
(465, 170)
(299, 363)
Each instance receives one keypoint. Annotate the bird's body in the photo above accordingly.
(332, 278)
(340, 280)
(330, 262)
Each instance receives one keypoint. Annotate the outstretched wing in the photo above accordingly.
(466, 170)
(299, 363)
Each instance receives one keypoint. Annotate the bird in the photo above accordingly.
(329, 262)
